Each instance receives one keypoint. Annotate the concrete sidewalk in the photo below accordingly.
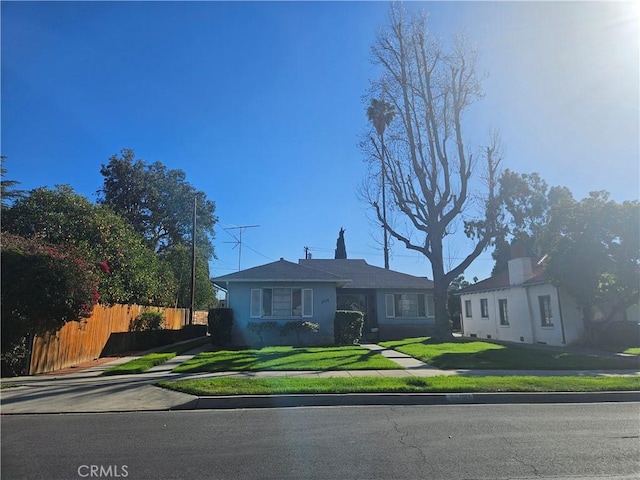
(85, 390)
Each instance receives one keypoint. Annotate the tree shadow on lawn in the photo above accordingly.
(286, 358)
(474, 354)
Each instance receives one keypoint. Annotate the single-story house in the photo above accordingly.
(396, 305)
(520, 305)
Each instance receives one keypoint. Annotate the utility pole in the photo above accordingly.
(384, 207)
(193, 263)
(239, 240)
(381, 114)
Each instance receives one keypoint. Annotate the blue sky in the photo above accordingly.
(261, 104)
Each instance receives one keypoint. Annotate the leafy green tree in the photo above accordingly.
(158, 202)
(43, 287)
(429, 169)
(454, 305)
(178, 260)
(7, 187)
(594, 253)
(129, 271)
(525, 197)
(526, 200)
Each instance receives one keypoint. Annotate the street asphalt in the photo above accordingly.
(85, 390)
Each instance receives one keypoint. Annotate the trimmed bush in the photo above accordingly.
(148, 320)
(299, 328)
(347, 327)
(296, 327)
(220, 325)
(259, 328)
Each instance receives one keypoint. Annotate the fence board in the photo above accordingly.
(79, 342)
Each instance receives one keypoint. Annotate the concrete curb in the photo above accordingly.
(374, 399)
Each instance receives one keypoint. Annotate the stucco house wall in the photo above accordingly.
(525, 318)
(477, 326)
(519, 310)
(324, 308)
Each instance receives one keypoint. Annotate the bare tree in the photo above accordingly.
(429, 169)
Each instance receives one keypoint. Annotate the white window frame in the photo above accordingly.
(544, 301)
(468, 312)
(503, 310)
(484, 308)
(257, 299)
(256, 303)
(307, 303)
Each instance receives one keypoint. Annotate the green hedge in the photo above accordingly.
(220, 324)
(347, 327)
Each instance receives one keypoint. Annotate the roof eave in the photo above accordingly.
(339, 282)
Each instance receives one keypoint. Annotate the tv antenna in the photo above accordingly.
(238, 239)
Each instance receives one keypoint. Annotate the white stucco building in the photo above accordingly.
(520, 305)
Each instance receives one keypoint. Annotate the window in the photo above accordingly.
(467, 308)
(411, 305)
(484, 308)
(255, 304)
(546, 315)
(307, 302)
(504, 313)
(281, 302)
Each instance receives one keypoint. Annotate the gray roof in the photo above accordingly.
(281, 271)
(363, 275)
(500, 281)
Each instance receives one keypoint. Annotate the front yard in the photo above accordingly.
(477, 354)
(144, 363)
(459, 354)
(287, 358)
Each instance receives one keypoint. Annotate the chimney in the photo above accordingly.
(520, 270)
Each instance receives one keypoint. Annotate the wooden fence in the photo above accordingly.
(79, 342)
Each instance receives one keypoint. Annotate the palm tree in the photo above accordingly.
(381, 113)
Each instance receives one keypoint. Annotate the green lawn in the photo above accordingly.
(471, 354)
(444, 384)
(287, 358)
(146, 362)
(632, 351)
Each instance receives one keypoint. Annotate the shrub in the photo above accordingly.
(620, 334)
(220, 325)
(148, 320)
(299, 328)
(259, 328)
(347, 327)
(129, 271)
(43, 287)
(15, 357)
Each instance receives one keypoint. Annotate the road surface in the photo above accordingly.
(568, 441)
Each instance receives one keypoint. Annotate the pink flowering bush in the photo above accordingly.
(43, 287)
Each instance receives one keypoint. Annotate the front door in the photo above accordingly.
(364, 303)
